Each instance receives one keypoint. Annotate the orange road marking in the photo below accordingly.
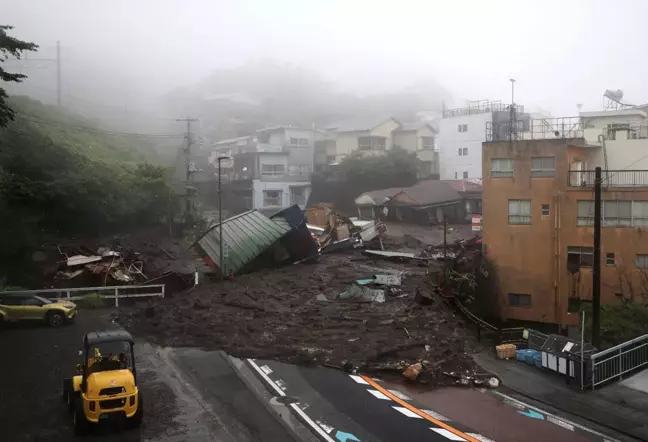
(413, 409)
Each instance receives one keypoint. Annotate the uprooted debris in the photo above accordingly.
(296, 314)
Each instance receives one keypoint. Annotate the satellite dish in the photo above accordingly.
(616, 95)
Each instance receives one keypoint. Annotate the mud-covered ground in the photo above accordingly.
(276, 314)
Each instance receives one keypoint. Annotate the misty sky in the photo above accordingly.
(561, 52)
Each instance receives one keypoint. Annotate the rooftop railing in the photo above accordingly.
(610, 178)
(535, 129)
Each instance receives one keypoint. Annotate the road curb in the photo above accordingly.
(314, 429)
(253, 388)
(565, 410)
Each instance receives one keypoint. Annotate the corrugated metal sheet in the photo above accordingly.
(246, 235)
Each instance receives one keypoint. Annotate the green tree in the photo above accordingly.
(10, 47)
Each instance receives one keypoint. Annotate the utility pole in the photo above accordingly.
(58, 73)
(596, 267)
(445, 239)
(220, 218)
(187, 152)
(512, 122)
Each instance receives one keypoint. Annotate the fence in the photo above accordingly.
(535, 129)
(613, 363)
(610, 178)
(117, 292)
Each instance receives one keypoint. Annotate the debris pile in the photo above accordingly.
(117, 261)
(354, 309)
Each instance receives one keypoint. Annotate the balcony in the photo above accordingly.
(610, 178)
(480, 107)
(262, 148)
(535, 129)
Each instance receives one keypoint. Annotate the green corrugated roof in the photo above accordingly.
(247, 236)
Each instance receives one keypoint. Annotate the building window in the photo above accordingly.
(519, 212)
(455, 175)
(271, 198)
(272, 169)
(609, 259)
(578, 257)
(543, 167)
(427, 143)
(298, 142)
(465, 175)
(616, 214)
(465, 151)
(460, 151)
(585, 216)
(371, 143)
(545, 210)
(501, 168)
(298, 169)
(462, 128)
(640, 213)
(519, 300)
(642, 261)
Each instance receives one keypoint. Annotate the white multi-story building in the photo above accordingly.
(269, 171)
(461, 134)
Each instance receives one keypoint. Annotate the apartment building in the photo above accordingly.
(375, 136)
(538, 214)
(462, 132)
(268, 171)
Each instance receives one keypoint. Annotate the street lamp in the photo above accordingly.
(220, 217)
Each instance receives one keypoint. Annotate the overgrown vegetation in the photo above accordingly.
(359, 173)
(58, 177)
(619, 323)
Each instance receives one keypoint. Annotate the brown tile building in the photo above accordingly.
(537, 226)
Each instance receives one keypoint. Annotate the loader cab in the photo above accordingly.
(107, 351)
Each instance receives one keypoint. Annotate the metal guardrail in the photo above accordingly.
(613, 363)
(117, 292)
(610, 178)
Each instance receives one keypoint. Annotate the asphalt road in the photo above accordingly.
(358, 408)
(189, 394)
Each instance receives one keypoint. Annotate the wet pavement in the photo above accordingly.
(189, 395)
(367, 409)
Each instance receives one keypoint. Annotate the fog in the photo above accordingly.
(126, 54)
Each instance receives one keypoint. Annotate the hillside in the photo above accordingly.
(61, 176)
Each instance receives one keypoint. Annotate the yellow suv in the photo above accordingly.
(23, 307)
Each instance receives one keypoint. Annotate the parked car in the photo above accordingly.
(24, 307)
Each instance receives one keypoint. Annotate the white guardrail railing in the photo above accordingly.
(613, 363)
(116, 292)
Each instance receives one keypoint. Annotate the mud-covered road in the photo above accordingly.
(189, 394)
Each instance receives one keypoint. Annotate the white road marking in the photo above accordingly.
(560, 423)
(358, 379)
(295, 407)
(435, 415)
(378, 394)
(447, 434)
(312, 423)
(281, 384)
(400, 395)
(480, 437)
(266, 369)
(574, 424)
(325, 427)
(265, 377)
(407, 412)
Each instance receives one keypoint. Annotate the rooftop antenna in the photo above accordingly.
(614, 98)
